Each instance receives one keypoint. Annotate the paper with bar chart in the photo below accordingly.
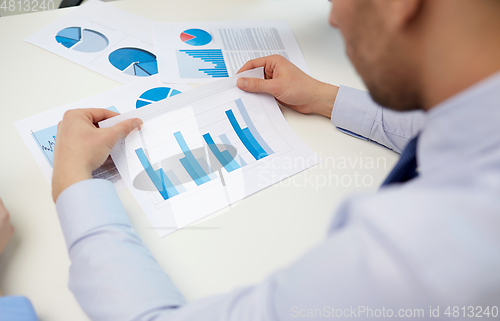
(206, 149)
(103, 38)
(39, 131)
(203, 52)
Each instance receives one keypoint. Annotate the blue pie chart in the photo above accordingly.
(86, 40)
(154, 95)
(196, 37)
(134, 61)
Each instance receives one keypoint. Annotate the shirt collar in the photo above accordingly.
(463, 128)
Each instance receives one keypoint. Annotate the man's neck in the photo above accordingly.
(459, 55)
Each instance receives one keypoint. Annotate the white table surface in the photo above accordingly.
(235, 247)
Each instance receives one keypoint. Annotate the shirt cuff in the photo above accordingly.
(14, 308)
(87, 205)
(354, 111)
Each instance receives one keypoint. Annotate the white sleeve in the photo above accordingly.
(355, 113)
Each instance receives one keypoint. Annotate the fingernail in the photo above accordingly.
(137, 124)
(242, 83)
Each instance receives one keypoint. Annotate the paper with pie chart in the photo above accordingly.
(83, 40)
(39, 131)
(203, 52)
(196, 37)
(154, 95)
(101, 37)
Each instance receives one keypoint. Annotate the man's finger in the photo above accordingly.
(98, 114)
(124, 128)
(255, 63)
(255, 85)
(252, 64)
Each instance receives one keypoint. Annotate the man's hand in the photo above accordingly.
(6, 228)
(290, 86)
(82, 147)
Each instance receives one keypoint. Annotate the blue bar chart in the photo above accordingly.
(225, 158)
(208, 63)
(161, 181)
(251, 127)
(190, 163)
(206, 150)
(200, 171)
(246, 137)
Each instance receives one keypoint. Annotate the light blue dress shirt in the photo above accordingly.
(16, 308)
(430, 243)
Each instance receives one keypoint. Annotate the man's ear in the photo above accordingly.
(403, 12)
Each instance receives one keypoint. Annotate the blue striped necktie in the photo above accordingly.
(406, 167)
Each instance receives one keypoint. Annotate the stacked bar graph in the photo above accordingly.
(190, 163)
(161, 181)
(177, 183)
(249, 136)
(225, 158)
(251, 128)
(207, 63)
(199, 169)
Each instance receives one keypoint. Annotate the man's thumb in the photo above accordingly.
(124, 128)
(253, 85)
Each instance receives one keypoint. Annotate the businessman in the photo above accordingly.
(429, 239)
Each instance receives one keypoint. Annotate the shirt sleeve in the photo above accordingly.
(356, 114)
(16, 308)
(114, 277)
